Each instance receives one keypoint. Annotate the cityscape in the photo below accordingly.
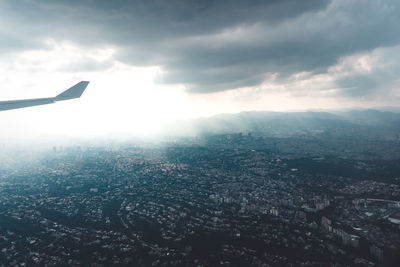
(215, 200)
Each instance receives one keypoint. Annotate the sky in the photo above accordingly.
(150, 62)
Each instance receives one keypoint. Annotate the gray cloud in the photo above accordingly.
(379, 80)
(215, 45)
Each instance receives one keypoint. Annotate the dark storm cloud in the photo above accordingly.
(146, 21)
(214, 45)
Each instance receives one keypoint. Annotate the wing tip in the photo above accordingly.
(74, 92)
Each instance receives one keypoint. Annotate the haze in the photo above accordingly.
(154, 62)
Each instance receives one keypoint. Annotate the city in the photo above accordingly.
(219, 200)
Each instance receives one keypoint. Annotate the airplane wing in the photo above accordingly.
(74, 92)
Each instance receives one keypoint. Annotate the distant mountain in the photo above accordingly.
(363, 122)
(389, 109)
(372, 117)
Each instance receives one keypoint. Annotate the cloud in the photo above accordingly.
(371, 75)
(211, 46)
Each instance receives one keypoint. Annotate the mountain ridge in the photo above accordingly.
(270, 123)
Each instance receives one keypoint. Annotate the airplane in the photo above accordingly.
(74, 92)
